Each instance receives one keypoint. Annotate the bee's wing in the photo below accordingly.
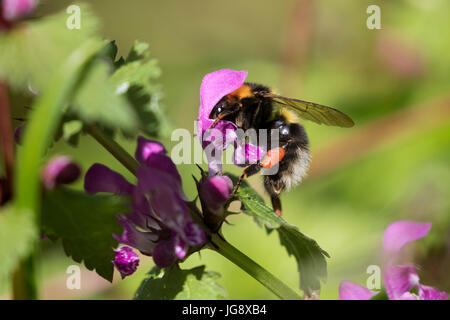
(313, 111)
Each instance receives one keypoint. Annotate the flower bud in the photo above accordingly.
(60, 170)
(18, 133)
(215, 191)
(126, 261)
(15, 9)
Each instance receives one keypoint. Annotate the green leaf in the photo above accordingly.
(135, 78)
(139, 51)
(253, 205)
(97, 100)
(310, 257)
(177, 284)
(71, 131)
(32, 52)
(382, 295)
(85, 224)
(110, 51)
(18, 233)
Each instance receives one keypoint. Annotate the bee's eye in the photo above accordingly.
(218, 109)
(284, 131)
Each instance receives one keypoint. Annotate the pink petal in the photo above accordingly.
(216, 85)
(214, 163)
(194, 234)
(152, 155)
(215, 191)
(401, 232)
(126, 261)
(213, 142)
(60, 170)
(399, 280)
(430, 293)
(181, 247)
(408, 296)
(145, 148)
(352, 291)
(143, 241)
(247, 154)
(164, 253)
(165, 164)
(16, 9)
(165, 197)
(222, 135)
(141, 214)
(100, 178)
(18, 133)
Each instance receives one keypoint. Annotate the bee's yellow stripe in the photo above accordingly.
(289, 115)
(243, 92)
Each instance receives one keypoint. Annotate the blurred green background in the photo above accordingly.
(393, 165)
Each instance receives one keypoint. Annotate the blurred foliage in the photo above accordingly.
(18, 229)
(369, 74)
(177, 284)
(84, 225)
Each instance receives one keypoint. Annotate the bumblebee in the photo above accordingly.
(254, 106)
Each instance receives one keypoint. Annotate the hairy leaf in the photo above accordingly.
(32, 52)
(85, 225)
(135, 77)
(97, 100)
(253, 205)
(71, 131)
(310, 257)
(177, 284)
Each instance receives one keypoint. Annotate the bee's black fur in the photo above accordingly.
(296, 146)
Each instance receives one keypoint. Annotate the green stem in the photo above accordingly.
(253, 269)
(24, 279)
(220, 245)
(114, 148)
(42, 124)
(6, 143)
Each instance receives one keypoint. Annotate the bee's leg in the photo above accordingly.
(276, 204)
(249, 171)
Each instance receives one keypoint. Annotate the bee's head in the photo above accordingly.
(223, 107)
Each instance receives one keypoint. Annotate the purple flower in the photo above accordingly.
(60, 170)
(159, 223)
(214, 87)
(126, 261)
(400, 233)
(401, 282)
(13, 10)
(352, 291)
(247, 153)
(18, 133)
(214, 192)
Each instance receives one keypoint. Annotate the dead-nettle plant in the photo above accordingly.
(78, 86)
